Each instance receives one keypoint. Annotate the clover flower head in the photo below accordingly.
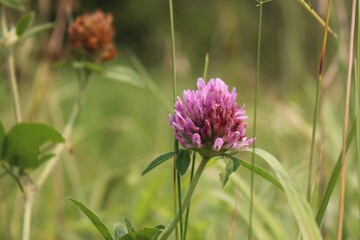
(91, 35)
(209, 120)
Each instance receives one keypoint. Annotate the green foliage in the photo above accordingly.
(2, 139)
(94, 219)
(119, 230)
(182, 161)
(123, 74)
(23, 24)
(334, 176)
(15, 4)
(300, 207)
(37, 29)
(258, 170)
(21, 144)
(230, 167)
(157, 161)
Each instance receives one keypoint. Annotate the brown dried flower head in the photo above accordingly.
(91, 36)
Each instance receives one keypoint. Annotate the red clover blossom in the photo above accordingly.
(210, 121)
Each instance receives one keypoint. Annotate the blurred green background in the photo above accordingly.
(123, 127)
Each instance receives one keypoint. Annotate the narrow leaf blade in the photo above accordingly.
(37, 29)
(12, 4)
(94, 219)
(124, 74)
(334, 176)
(23, 24)
(182, 161)
(300, 207)
(159, 160)
(259, 171)
(129, 226)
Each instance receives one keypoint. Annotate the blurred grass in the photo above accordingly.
(122, 128)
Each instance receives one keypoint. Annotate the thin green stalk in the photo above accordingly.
(206, 65)
(176, 176)
(188, 208)
(11, 69)
(346, 122)
(257, 80)
(187, 198)
(357, 96)
(313, 139)
(317, 101)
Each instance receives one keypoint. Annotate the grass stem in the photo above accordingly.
(256, 92)
(346, 122)
(187, 198)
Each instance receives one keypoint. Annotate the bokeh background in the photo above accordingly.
(123, 127)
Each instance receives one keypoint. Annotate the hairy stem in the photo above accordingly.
(187, 198)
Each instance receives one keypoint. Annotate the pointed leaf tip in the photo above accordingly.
(94, 219)
(157, 161)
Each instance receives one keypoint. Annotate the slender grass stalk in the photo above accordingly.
(317, 101)
(346, 122)
(357, 96)
(176, 175)
(256, 92)
(187, 198)
(206, 65)
(11, 69)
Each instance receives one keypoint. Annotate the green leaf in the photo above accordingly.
(182, 161)
(159, 160)
(300, 207)
(231, 166)
(129, 226)
(23, 24)
(123, 74)
(334, 176)
(23, 142)
(94, 219)
(37, 29)
(12, 4)
(258, 170)
(2, 139)
(143, 234)
(89, 66)
(119, 230)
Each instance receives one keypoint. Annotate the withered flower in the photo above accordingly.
(91, 36)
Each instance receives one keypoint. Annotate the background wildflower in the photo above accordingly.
(209, 120)
(91, 36)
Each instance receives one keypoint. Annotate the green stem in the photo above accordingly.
(313, 139)
(257, 80)
(11, 69)
(188, 208)
(176, 176)
(357, 95)
(206, 65)
(346, 122)
(187, 198)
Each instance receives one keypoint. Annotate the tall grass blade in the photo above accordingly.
(256, 92)
(334, 176)
(300, 207)
(94, 219)
(346, 122)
